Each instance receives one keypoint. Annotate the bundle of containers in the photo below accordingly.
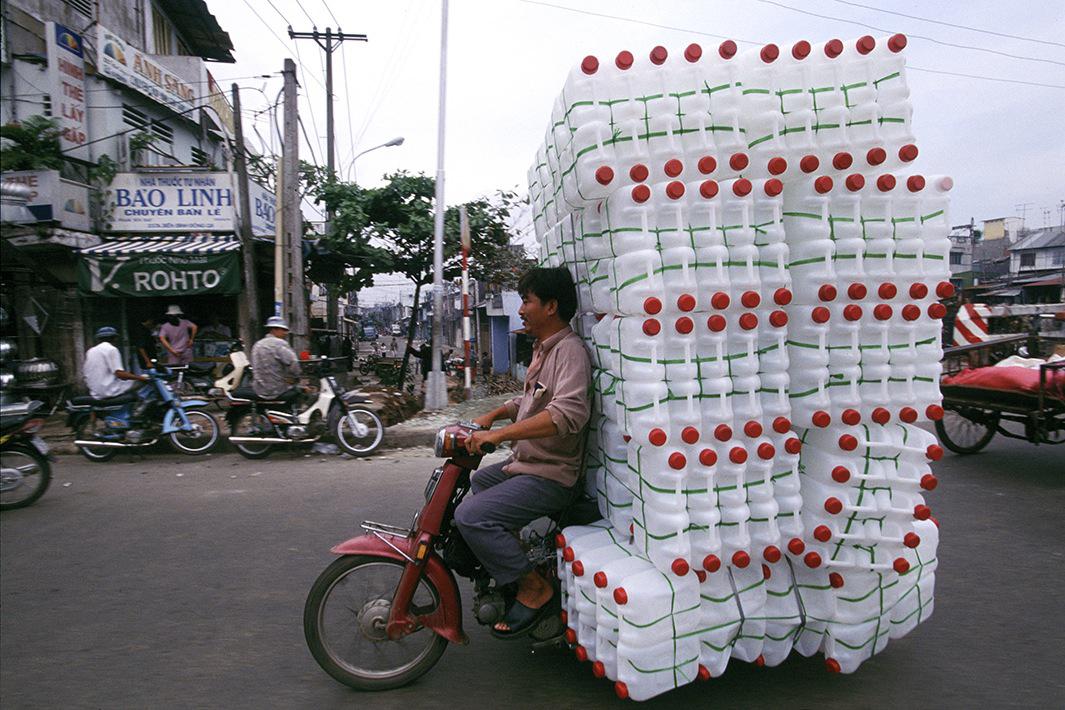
(758, 274)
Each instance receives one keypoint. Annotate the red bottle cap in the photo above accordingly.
(778, 319)
(855, 182)
(800, 50)
(841, 474)
(773, 187)
(820, 314)
(835, 579)
(881, 416)
(590, 65)
(567, 554)
(720, 300)
(827, 293)
(782, 297)
(766, 451)
(658, 55)
(796, 546)
(848, 442)
(812, 560)
(621, 690)
(657, 437)
(693, 52)
(866, 44)
(641, 193)
(639, 172)
(560, 541)
(748, 321)
(737, 454)
(822, 533)
(675, 190)
(929, 482)
(652, 306)
(704, 673)
(911, 312)
(776, 167)
(701, 575)
(707, 164)
(781, 425)
(741, 559)
(750, 299)
(604, 175)
(686, 302)
(882, 311)
(673, 167)
(689, 435)
(897, 43)
(831, 665)
(752, 429)
(934, 412)
(852, 312)
(766, 574)
(851, 417)
(911, 540)
(901, 565)
(809, 163)
(769, 53)
(624, 60)
(821, 419)
(578, 569)
(915, 183)
(887, 291)
(857, 292)
(833, 48)
(652, 327)
(823, 184)
(772, 554)
(908, 153)
(715, 323)
(727, 49)
(564, 616)
(908, 415)
(723, 432)
(684, 325)
(620, 596)
(708, 189)
(711, 563)
(842, 160)
(571, 636)
(600, 580)
(922, 512)
(876, 156)
(944, 289)
(677, 461)
(708, 457)
(918, 291)
(738, 161)
(598, 669)
(885, 183)
(833, 506)
(741, 188)
(934, 452)
(679, 567)
(792, 445)
(937, 310)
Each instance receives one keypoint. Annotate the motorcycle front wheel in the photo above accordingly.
(344, 623)
(24, 477)
(359, 432)
(198, 440)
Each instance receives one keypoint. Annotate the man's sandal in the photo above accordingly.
(521, 620)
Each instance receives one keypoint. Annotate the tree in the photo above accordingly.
(32, 144)
(390, 229)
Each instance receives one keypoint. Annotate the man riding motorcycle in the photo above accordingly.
(548, 434)
(105, 375)
(275, 367)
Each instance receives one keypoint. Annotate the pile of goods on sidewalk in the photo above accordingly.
(759, 269)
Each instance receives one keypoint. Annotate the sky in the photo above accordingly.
(1002, 141)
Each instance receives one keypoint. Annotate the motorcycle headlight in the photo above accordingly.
(440, 444)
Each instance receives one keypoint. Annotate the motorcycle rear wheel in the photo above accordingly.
(346, 613)
(251, 424)
(24, 476)
(98, 454)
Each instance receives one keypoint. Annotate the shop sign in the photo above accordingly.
(159, 274)
(215, 99)
(66, 79)
(263, 204)
(128, 65)
(169, 202)
(53, 198)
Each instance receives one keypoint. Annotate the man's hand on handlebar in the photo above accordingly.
(484, 421)
(477, 439)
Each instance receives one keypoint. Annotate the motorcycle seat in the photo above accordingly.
(249, 394)
(201, 368)
(124, 398)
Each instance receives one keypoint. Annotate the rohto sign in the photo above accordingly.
(170, 202)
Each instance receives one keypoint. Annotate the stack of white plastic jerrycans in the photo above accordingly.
(759, 271)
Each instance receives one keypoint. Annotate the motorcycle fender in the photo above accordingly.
(447, 619)
(172, 421)
(193, 403)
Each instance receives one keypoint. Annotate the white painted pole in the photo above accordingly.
(436, 391)
(465, 233)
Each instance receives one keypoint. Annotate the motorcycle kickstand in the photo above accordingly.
(556, 642)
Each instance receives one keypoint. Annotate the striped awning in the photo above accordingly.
(208, 244)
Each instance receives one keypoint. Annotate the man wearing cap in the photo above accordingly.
(104, 373)
(275, 367)
(177, 335)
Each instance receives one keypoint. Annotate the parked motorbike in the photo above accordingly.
(25, 471)
(382, 614)
(258, 425)
(141, 417)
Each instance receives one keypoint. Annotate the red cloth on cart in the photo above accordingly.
(1011, 379)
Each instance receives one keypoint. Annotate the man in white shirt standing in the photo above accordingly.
(104, 373)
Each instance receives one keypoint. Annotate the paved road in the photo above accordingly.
(176, 582)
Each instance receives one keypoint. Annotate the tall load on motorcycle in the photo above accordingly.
(759, 267)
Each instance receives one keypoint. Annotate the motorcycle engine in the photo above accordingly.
(134, 436)
(489, 606)
(296, 432)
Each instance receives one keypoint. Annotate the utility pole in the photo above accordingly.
(329, 42)
(292, 217)
(248, 304)
(436, 390)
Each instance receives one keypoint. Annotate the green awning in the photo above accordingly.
(161, 267)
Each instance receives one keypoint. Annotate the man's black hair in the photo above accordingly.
(551, 284)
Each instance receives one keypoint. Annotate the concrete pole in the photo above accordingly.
(293, 218)
(331, 290)
(436, 390)
(248, 303)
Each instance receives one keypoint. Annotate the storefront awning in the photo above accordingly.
(177, 266)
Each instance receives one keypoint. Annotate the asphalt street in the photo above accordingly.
(167, 581)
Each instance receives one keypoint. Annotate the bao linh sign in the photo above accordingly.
(159, 274)
(170, 202)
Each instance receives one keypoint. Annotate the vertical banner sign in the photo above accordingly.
(66, 75)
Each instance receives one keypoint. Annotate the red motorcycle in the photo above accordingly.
(383, 614)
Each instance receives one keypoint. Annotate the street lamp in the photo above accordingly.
(351, 167)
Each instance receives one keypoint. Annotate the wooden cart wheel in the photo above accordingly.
(967, 430)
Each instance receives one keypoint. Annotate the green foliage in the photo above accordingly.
(32, 144)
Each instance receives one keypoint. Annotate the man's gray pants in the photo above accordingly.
(499, 505)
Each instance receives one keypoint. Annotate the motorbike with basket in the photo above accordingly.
(25, 468)
(139, 418)
(383, 613)
(258, 425)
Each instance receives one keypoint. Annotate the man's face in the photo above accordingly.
(535, 314)
(279, 333)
